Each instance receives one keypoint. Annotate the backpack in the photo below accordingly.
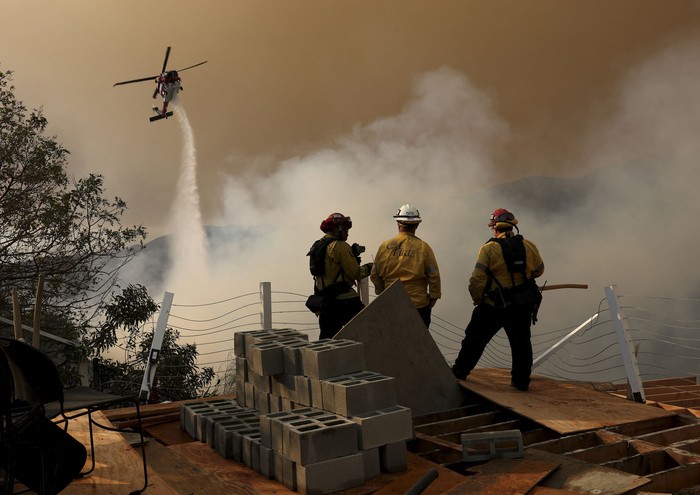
(526, 294)
(513, 250)
(317, 256)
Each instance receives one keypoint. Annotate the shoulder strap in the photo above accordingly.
(513, 250)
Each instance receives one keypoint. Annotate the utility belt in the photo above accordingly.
(321, 297)
(526, 295)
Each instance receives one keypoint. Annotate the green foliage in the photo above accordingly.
(51, 224)
(178, 376)
(68, 231)
(128, 310)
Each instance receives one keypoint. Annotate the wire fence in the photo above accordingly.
(665, 334)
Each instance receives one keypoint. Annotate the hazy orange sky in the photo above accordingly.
(286, 78)
(306, 107)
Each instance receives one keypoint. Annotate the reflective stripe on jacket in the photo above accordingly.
(490, 264)
(411, 260)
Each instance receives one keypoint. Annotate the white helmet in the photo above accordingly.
(408, 214)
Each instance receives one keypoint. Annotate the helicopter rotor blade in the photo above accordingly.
(152, 78)
(193, 66)
(165, 62)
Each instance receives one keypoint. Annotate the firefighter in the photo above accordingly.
(407, 258)
(336, 275)
(503, 290)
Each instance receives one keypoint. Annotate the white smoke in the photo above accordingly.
(633, 228)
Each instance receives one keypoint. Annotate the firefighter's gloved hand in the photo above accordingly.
(368, 267)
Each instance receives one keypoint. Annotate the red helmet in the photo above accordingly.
(336, 221)
(501, 215)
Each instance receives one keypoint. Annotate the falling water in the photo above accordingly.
(188, 242)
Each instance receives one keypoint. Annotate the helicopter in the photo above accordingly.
(168, 84)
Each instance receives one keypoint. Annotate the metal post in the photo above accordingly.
(623, 338)
(156, 344)
(36, 336)
(266, 305)
(363, 289)
(545, 355)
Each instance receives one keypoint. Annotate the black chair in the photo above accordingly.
(44, 383)
(35, 451)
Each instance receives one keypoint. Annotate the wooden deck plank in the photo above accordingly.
(564, 407)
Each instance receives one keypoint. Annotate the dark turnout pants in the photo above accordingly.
(485, 323)
(336, 314)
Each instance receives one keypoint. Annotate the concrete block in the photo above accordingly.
(286, 471)
(392, 457)
(188, 416)
(308, 441)
(277, 433)
(240, 393)
(355, 394)
(250, 450)
(235, 437)
(285, 386)
(260, 382)
(275, 403)
(267, 428)
(210, 423)
(263, 402)
(328, 358)
(303, 390)
(266, 358)
(201, 425)
(370, 459)
(316, 393)
(241, 368)
(328, 395)
(241, 340)
(223, 438)
(506, 444)
(292, 357)
(278, 466)
(249, 390)
(267, 462)
(330, 475)
(384, 426)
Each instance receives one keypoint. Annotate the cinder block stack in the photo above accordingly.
(306, 414)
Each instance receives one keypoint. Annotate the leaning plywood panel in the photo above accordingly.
(397, 344)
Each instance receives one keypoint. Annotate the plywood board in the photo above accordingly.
(579, 476)
(501, 476)
(237, 477)
(563, 407)
(397, 344)
(417, 469)
(118, 467)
